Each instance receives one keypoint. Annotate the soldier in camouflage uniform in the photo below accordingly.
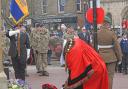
(4, 45)
(34, 42)
(42, 48)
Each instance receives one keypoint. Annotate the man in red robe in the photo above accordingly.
(86, 68)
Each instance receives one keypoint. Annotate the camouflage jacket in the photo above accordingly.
(33, 38)
(43, 40)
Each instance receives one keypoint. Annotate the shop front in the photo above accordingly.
(54, 23)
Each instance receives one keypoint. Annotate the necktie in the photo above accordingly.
(18, 44)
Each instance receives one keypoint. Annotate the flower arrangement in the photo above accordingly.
(18, 84)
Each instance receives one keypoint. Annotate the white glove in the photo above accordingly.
(119, 62)
(11, 33)
(28, 53)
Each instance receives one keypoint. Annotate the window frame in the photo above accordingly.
(80, 5)
(59, 7)
(44, 6)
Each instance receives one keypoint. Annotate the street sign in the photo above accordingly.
(100, 15)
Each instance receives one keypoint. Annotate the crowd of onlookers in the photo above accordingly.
(45, 44)
(68, 32)
(123, 66)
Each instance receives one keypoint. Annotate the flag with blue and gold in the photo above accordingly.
(18, 10)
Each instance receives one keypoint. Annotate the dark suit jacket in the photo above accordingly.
(24, 45)
(86, 38)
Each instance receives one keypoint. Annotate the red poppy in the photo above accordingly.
(48, 86)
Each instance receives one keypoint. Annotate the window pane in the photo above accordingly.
(61, 8)
(59, 2)
(44, 9)
(78, 1)
(44, 2)
(78, 7)
(44, 6)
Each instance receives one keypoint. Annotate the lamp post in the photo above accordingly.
(95, 24)
(85, 9)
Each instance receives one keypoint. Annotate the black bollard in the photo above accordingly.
(6, 64)
(6, 70)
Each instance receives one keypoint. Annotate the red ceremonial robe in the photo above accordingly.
(80, 59)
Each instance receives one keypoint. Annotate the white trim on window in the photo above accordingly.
(78, 5)
(44, 6)
(60, 6)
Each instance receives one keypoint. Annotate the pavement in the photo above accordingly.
(58, 76)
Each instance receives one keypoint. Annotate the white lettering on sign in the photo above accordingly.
(52, 21)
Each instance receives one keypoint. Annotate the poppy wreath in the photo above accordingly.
(48, 86)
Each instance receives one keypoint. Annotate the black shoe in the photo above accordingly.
(41, 74)
(38, 72)
(63, 65)
(49, 64)
(120, 71)
(44, 73)
(126, 72)
(26, 75)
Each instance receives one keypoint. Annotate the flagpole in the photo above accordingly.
(0, 16)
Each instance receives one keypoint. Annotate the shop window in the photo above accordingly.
(61, 4)
(78, 5)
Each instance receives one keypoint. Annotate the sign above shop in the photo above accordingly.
(51, 20)
(59, 20)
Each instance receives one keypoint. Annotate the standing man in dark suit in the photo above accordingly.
(84, 35)
(19, 50)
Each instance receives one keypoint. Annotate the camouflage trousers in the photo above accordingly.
(111, 71)
(36, 61)
(42, 57)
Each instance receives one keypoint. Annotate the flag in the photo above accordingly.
(18, 10)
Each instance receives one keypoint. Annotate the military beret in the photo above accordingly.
(107, 19)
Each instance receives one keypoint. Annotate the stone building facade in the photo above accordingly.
(117, 8)
(58, 12)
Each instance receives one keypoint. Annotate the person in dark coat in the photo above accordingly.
(19, 50)
(84, 35)
(124, 48)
